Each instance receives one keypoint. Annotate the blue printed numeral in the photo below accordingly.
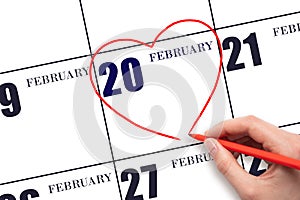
(130, 85)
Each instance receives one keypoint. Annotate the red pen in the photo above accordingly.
(258, 153)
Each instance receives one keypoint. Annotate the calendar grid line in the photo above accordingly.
(75, 60)
(43, 64)
(117, 160)
(223, 71)
(258, 20)
(54, 173)
(160, 151)
(224, 75)
(159, 40)
(114, 161)
(103, 52)
(291, 124)
(122, 48)
(101, 103)
(99, 164)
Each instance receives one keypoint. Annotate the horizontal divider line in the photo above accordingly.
(40, 65)
(118, 160)
(127, 47)
(98, 164)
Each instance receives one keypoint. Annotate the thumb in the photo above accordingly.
(228, 165)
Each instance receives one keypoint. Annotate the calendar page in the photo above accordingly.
(97, 97)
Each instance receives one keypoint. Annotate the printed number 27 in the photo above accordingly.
(135, 179)
(113, 73)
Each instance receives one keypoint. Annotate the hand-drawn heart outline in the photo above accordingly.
(151, 46)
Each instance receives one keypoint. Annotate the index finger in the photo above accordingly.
(259, 130)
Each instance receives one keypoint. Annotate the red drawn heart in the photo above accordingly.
(151, 46)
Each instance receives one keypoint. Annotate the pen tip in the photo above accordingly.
(197, 136)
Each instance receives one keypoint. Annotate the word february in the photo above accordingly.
(284, 30)
(80, 183)
(180, 51)
(191, 160)
(57, 76)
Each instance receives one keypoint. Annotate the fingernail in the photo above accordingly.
(205, 133)
(211, 145)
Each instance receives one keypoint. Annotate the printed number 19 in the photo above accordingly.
(9, 97)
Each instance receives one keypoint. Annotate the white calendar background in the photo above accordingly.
(58, 141)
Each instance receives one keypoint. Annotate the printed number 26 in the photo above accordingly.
(125, 68)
